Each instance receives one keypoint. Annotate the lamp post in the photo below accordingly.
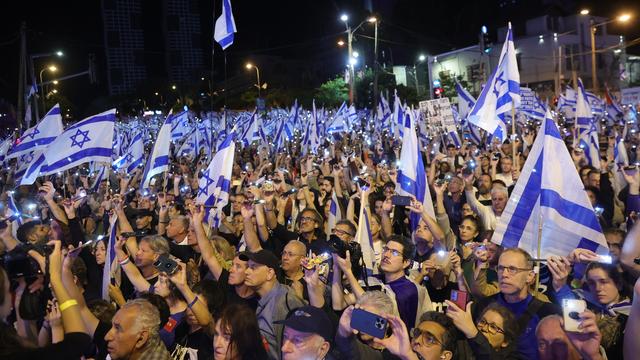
(51, 68)
(32, 57)
(373, 20)
(345, 18)
(592, 29)
(249, 66)
(421, 58)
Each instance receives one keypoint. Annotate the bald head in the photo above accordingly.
(292, 256)
(553, 342)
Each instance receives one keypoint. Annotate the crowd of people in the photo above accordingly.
(111, 271)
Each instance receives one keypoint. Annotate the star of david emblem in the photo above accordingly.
(498, 83)
(205, 190)
(33, 134)
(80, 143)
(26, 158)
(128, 158)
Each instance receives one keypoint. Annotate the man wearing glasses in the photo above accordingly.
(515, 276)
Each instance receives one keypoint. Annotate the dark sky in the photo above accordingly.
(296, 29)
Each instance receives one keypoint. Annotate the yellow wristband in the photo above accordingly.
(67, 304)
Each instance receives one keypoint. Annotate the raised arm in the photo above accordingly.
(132, 272)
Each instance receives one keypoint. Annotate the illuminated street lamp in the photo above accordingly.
(249, 66)
(51, 68)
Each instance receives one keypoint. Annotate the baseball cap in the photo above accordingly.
(262, 257)
(309, 319)
(142, 212)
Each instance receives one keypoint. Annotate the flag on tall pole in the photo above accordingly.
(549, 212)
(501, 93)
(583, 114)
(225, 26)
(158, 160)
(39, 136)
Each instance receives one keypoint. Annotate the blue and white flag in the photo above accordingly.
(398, 116)
(364, 238)
(110, 257)
(133, 156)
(584, 117)
(613, 109)
(557, 198)
(158, 160)
(88, 140)
(5, 146)
(501, 93)
(412, 177)
(589, 143)
(100, 175)
(215, 183)
(39, 136)
(621, 159)
(179, 125)
(531, 105)
(22, 164)
(335, 214)
(225, 26)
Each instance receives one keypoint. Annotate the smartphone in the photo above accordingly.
(441, 259)
(401, 200)
(166, 265)
(460, 298)
(289, 192)
(369, 323)
(128, 234)
(571, 309)
(85, 244)
(605, 259)
(235, 183)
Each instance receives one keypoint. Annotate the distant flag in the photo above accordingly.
(158, 160)
(179, 125)
(4, 148)
(110, 257)
(33, 90)
(557, 198)
(583, 114)
(613, 109)
(132, 157)
(398, 116)
(88, 140)
(101, 175)
(215, 183)
(335, 213)
(621, 159)
(39, 136)
(225, 26)
(412, 177)
(501, 93)
(589, 143)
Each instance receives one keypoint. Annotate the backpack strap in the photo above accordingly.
(529, 313)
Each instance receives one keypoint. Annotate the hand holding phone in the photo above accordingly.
(401, 200)
(460, 298)
(166, 265)
(369, 323)
(571, 310)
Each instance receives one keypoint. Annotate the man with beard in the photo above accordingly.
(483, 194)
(488, 214)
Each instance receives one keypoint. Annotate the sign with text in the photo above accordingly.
(437, 113)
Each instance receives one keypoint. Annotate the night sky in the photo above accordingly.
(306, 30)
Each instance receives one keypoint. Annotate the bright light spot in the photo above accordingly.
(356, 54)
(344, 17)
(59, 53)
(624, 17)
(422, 57)
(584, 12)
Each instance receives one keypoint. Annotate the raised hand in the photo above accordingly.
(462, 319)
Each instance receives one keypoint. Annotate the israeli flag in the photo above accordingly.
(158, 161)
(5, 146)
(454, 136)
(501, 93)
(339, 124)
(110, 258)
(88, 140)
(179, 125)
(613, 109)
(133, 156)
(225, 26)
(621, 159)
(335, 214)
(555, 198)
(583, 116)
(251, 130)
(412, 177)
(398, 116)
(364, 238)
(22, 164)
(39, 136)
(589, 143)
(101, 175)
(215, 183)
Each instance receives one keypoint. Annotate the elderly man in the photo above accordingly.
(488, 214)
(556, 343)
(134, 333)
(308, 333)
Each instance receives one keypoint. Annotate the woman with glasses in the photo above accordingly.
(494, 334)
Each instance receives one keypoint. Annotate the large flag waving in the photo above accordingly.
(39, 136)
(225, 26)
(555, 198)
(215, 183)
(158, 161)
(500, 94)
(88, 140)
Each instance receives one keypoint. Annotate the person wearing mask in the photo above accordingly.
(308, 334)
(134, 333)
(237, 336)
(276, 300)
(515, 276)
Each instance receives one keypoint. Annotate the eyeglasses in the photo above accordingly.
(511, 270)
(429, 338)
(341, 232)
(290, 254)
(490, 327)
(306, 218)
(394, 252)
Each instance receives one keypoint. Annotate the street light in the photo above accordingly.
(592, 26)
(340, 43)
(345, 18)
(51, 68)
(32, 57)
(249, 66)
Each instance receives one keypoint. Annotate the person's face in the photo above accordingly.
(308, 222)
(423, 232)
(237, 203)
(142, 222)
(506, 165)
(451, 151)
(389, 191)
(602, 286)
(238, 223)
(172, 212)
(41, 233)
(455, 186)
(237, 271)
(484, 161)
(584, 175)
(222, 342)
(491, 325)
(615, 245)
(374, 226)
(145, 255)
(302, 345)
(484, 184)
(516, 283)
(553, 343)
(291, 257)
(144, 202)
(378, 207)
(467, 211)
(468, 230)
(594, 180)
(257, 274)
(162, 287)
(499, 201)
(326, 186)
(175, 228)
(123, 338)
(343, 232)
(429, 343)
(392, 260)
(100, 252)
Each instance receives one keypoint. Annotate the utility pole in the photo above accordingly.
(592, 30)
(22, 75)
(375, 67)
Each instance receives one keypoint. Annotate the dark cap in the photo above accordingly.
(262, 257)
(142, 212)
(309, 319)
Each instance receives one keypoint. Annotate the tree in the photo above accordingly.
(332, 93)
(448, 83)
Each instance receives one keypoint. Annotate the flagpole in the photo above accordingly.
(513, 135)
(213, 58)
(538, 253)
